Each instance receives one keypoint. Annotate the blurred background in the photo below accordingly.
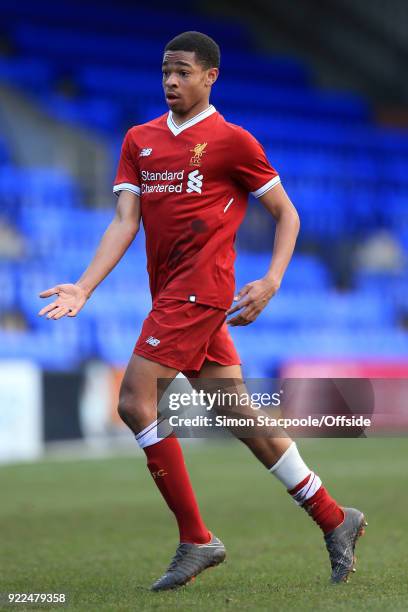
(323, 87)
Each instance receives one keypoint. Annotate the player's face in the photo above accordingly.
(186, 82)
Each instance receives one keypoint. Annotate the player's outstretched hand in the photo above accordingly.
(70, 300)
(254, 296)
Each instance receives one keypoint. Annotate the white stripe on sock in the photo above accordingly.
(313, 484)
(148, 436)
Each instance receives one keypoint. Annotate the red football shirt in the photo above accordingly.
(193, 181)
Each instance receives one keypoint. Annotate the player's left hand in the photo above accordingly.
(254, 296)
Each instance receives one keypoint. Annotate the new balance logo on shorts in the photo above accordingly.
(195, 181)
(152, 341)
(145, 152)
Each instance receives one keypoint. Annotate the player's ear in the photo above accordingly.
(212, 76)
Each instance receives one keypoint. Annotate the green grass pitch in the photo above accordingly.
(98, 531)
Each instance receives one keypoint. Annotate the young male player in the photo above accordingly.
(187, 175)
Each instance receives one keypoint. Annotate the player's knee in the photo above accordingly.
(133, 410)
(127, 403)
(124, 409)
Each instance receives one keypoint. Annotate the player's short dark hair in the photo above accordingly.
(205, 48)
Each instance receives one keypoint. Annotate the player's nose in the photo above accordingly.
(171, 82)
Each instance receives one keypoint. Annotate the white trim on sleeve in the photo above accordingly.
(126, 187)
(262, 190)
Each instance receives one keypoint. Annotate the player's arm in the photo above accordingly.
(113, 245)
(255, 295)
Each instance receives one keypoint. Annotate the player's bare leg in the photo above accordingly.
(268, 450)
(198, 548)
(341, 526)
(138, 392)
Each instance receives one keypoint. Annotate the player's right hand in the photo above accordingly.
(70, 300)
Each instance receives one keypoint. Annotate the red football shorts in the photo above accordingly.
(182, 335)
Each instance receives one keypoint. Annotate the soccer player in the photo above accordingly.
(187, 175)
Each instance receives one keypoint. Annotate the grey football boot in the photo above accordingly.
(341, 543)
(189, 561)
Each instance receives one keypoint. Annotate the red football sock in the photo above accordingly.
(323, 509)
(166, 463)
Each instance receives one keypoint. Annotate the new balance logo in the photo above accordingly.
(152, 341)
(145, 152)
(195, 182)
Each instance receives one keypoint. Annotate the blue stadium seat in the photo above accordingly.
(345, 175)
(72, 48)
(296, 309)
(117, 18)
(304, 273)
(96, 113)
(4, 151)
(55, 351)
(262, 353)
(115, 342)
(7, 287)
(27, 72)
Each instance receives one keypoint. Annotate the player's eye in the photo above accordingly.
(184, 73)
